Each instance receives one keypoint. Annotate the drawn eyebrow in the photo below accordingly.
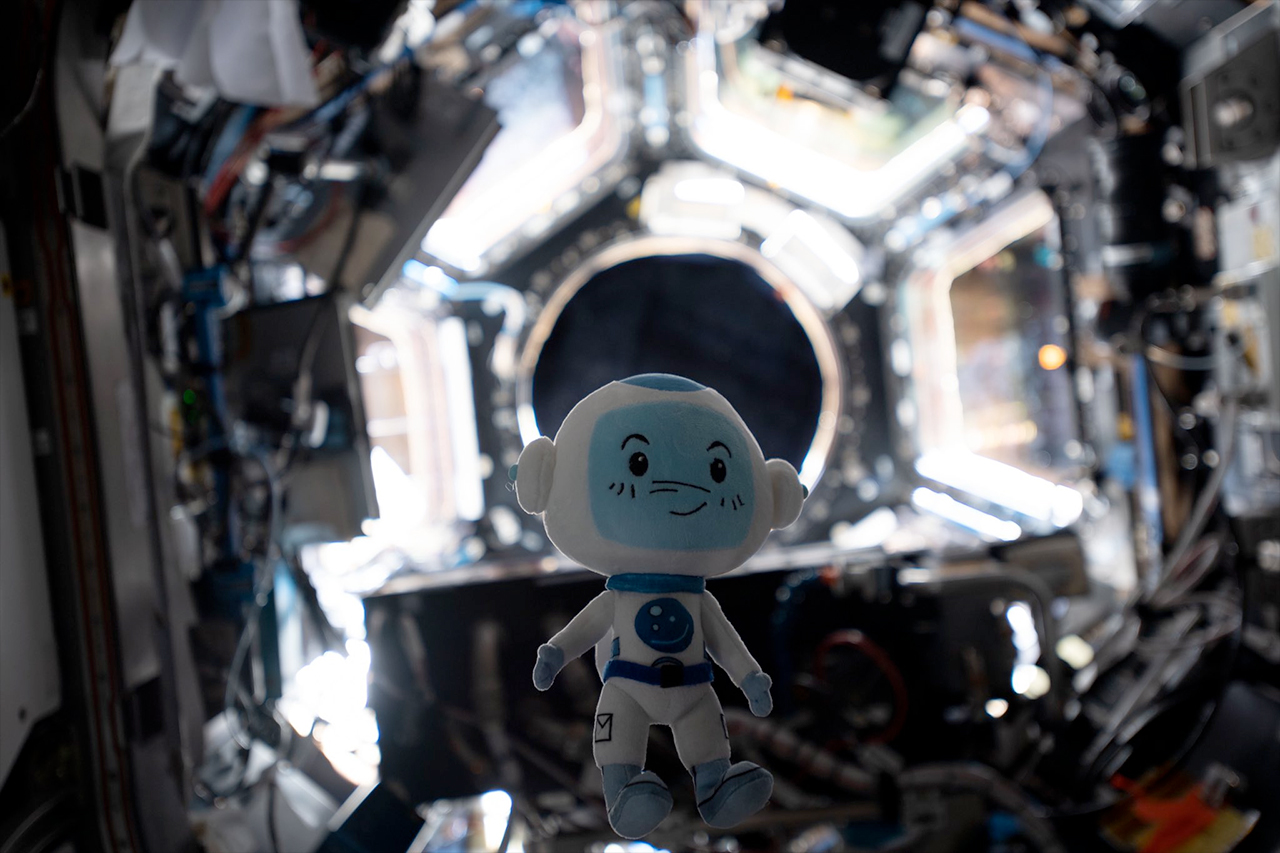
(636, 436)
(720, 444)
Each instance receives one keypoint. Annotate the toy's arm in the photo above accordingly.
(728, 650)
(582, 632)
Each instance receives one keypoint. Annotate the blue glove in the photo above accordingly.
(550, 662)
(756, 688)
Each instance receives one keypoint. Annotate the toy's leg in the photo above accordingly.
(636, 799)
(726, 793)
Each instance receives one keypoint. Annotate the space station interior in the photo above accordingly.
(289, 286)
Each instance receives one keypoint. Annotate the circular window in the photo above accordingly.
(727, 322)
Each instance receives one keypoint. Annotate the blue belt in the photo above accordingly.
(666, 675)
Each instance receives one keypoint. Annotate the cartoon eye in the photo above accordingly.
(639, 463)
(718, 471)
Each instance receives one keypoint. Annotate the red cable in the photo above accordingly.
(859, 641)
(230, 170)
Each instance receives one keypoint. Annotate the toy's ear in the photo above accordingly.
(534, 474)
(788, 492)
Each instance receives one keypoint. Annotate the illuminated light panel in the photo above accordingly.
(1004, 485)
(1025, 638)
(329, 700)
(997, 708)
(810, 232)
(750, 144)
(468, 485)
(724, 191)
(495, 811)
(966, 516)
(1074, 651)
(818, 254)
(851, 192)
(1052, 356)
(1030, 680)
(871, 532)
(400, 501)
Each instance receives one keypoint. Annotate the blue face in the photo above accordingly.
(672, 476)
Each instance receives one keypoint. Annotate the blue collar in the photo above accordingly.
(651, 583)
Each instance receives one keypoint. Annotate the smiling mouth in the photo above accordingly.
(690, 512)
(659, 644)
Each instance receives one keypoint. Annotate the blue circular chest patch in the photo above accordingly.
(664, 624)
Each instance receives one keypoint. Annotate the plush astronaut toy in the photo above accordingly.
(656, 482)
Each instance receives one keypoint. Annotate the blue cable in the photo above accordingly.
(1020, 49)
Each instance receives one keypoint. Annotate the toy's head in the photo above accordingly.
(656, 473)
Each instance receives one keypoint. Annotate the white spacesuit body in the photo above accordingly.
(656, 482)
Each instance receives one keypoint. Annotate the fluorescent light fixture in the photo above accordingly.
(340, 171)
(328, 700)
(870, 532)
(1075, 651)
(728, 130)
(823, 243)
(1025, 638)
(1003, 484)
(952, 510)
(427, 275)
(724, 191)
(817, 253)
(456, 240)
(495, 812)
(854, 193)
(1030, 680)
(819, 240)
(402, 504)
(468, 484)
(914, 575)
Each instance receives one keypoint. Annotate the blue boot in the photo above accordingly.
(637, 799)
(728, 795)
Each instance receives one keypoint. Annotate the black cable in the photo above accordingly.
(273, 781)
(507, 832)
(272, 835)
(1189, 744)
(231, 698)
(38, 81)
(357, 207)
(1236, 646)
(210, 130)
(255, 222)
(27, 107)
(329, 637)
